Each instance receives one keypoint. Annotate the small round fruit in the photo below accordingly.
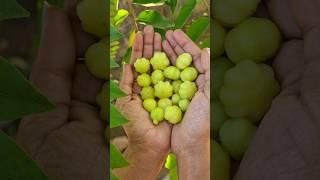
(149, 104)
(183, 104)
(175, 99)
(93, 15)
(218, 116)
(184, 60)
(172, 72)
(187, 90)
(163, 90)
(176, 85)
(157, 115)
(220, 164)
(157, 76)
(147, 92)
(96, 60)
(173, 114)
(144, 80)
(189, 74)
(218, 42)
(236, 136)
(159, 61)
(164, 103)
(142, 65)
(248, 41)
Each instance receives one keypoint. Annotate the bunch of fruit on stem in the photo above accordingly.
(166, 89)
(243, 87)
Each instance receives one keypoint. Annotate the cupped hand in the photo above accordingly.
(145, 139)
(286, 145)
(68, 143)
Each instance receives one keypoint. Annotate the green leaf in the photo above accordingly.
(198, 27)
(11, 9)
(15, 164)
(58, 3)
(17, 97)
(205, 43)
(172, 4)
(171, 165)
(113, 64)
(185, 13)
(115, 91)
(112, 176)
(116, 158)
(154, 18)
(121, 15)
(127, 56)
(162, 32)
(114, 34)
(116, 118)
(149, 3)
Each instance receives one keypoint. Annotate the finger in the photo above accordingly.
(127, 79)
(281, 14)
(52, 76)
(157, 42)
(175, 46)
(205, 62)
(85, 86)
(148, 42)
(137, 47)
(169, 51)
(188, 46)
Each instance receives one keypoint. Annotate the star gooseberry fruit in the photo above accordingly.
(93, 15)
(183, 61)
(157, 76)
(175, 99)
(187, 90)
(142, 65)
(163, 89)
(173, 114)
(183, 104)
(164, 103)
(157, 115)
(96, 60)
(144, 80)
(149, 104)
(159, 61)
(189, 74)
(172, 72)
(176, 86)
(147, 92)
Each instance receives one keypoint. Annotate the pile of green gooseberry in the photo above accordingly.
(243, 86)
(166, 89)
(93, 16)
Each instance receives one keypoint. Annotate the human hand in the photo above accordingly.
(147, 142)
(190, 139)
(286, 145)
(68, 143)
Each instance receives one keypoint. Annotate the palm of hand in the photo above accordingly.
(287, 141)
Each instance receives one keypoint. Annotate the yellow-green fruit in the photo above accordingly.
(163, 90)
(96, 60)
(164, 103)
(147, 92)
(102, 101)
(173, 114)
(172, 72)
(187, 90)
(189, 74)
(220, 162)
(157, 115)
(94, 15)
(149, 104)
(218, 42)
(142, 65)
(184, 60)
(175, 99)
(144, 80)
(183, 104)
(159, 61)
(176, 85)
(157, 76)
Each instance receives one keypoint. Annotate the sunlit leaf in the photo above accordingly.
(154, 18)
(205, 43)
(121, 15)
(116, 158)
(114, 34)
(112, 176)
(113, 64)
(171, 165)
(127, 56)
(172, 4)
(116, 118)
(149, 3)
(16, 164)
(10, 9)
(185, 13)
(17, 97)
(198, 27)
(115, 91)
